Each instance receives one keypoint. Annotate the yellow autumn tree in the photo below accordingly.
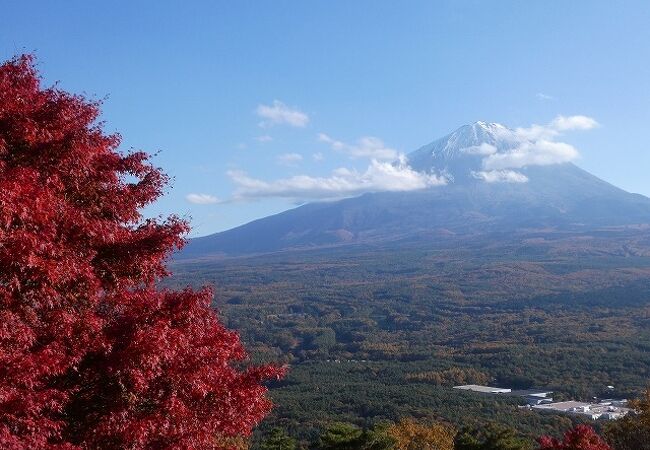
(408, 434)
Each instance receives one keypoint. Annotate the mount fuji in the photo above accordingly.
(499, 180)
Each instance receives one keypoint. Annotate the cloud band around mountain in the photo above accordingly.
(365, 147)
(379, 176)
(499, 162)
(537, 145)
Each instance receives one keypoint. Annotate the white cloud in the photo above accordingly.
(264, 138)
(553, 129)
(531, 133)
(365, 147)
(343, 182)
(538, 153)
(544, 97)
(562, 123)
(280, 114)
(202, 199)
(536, 145)
(289, 159)
(318, 156)
(500, 176)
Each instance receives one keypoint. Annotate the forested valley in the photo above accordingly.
(377, 334)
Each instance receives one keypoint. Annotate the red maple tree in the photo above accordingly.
(92, 353)
(582, 437)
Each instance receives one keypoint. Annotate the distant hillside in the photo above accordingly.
(554, 197)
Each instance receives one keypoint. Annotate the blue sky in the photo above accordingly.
(250, 92)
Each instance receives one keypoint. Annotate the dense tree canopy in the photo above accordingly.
(92, 354)
(279, 440)
(490, 436)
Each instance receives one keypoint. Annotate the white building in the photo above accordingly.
(483, 389)
(605, 410)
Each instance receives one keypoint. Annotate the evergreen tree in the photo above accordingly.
(341, 436)
(279, 440)
(490, 437)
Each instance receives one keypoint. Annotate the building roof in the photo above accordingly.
(485, 389)
(531, 392)
(562, 406)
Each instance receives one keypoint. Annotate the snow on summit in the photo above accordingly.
(492, 152)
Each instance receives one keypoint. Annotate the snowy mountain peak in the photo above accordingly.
(488, 125)
(463, 146)
(468, 136)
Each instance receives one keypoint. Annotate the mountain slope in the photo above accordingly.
(558, 196)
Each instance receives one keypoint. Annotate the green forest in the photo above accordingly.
(376, 334)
